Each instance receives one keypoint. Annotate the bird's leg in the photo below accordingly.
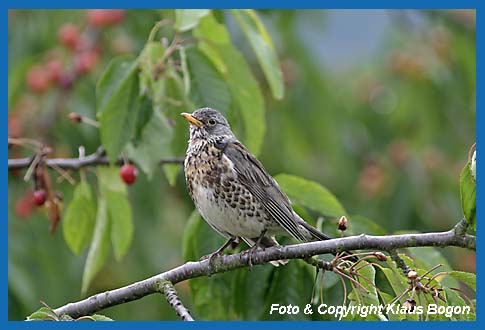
(255, 247)
(219, 251)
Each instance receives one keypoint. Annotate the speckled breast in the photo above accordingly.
(226, 205)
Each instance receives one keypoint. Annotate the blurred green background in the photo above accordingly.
(379, 108)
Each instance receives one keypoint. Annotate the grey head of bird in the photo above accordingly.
(207, 123)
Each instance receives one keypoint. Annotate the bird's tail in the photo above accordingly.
(310, 232)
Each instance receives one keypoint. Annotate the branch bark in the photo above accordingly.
(96, 158)
(173, 299)
(454, 237)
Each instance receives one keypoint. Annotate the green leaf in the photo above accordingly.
(247, 94)
(152, 80)
(42, 314)
(99, 249)
(117, 95)
(250, 288)
(186, 19)
(310, 194)
(216, 46)
(285, 290)
(208, 88)
(428, 257)
(468, 278)
(468, 196)
(263, 47)
(118, 209)
(454, 299)
(175, 92)
(212, 31)
(121, 222)
(394, 276)
(109, 179)
(79, 219)
(153, 144)
(99, 317)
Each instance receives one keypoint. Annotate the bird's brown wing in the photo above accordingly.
(254, 177)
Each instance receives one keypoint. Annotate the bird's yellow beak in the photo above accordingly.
(191, 119)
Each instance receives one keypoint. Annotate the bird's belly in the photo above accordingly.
(226, 219)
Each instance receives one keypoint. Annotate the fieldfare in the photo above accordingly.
(233, 192)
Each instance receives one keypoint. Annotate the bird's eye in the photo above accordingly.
(211, 122)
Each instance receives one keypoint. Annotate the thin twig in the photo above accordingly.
(173, 299)
(97, 158)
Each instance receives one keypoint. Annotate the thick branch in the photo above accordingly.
(173, 299)
(229, 262)
(97, 158)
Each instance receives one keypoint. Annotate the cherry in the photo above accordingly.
(39, 197)
(54, 68)
(128, 174)
(38, 79)
(86, 61)
(69, 35)
(24, 205)
(105, 17)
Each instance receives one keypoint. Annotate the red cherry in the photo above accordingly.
(54, 68)
(128, 173)
(39, 197)
(105, 17)
(14, 126)
(24, 205)
(69, 35)
(86, 61)
(38, 78)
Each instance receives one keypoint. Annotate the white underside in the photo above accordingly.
(229, 222)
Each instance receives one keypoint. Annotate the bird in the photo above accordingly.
(232, 190)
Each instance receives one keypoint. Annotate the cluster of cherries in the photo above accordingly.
(83, 56)
(84, 52)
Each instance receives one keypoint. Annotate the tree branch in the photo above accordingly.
(95, 303)
(96, 158)
(166, 287)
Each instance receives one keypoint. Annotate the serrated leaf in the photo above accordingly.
(99, 248)
(186, 19)
(79, 219)
(263, 47)
(468, 196)
(153, 144)
(117, 96)
(109, 179)
(208, 88)
(42, 314)
(310, 194)
(468, 278)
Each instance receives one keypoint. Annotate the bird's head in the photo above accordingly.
(207, 123)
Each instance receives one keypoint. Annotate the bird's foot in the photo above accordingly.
(250, 252)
